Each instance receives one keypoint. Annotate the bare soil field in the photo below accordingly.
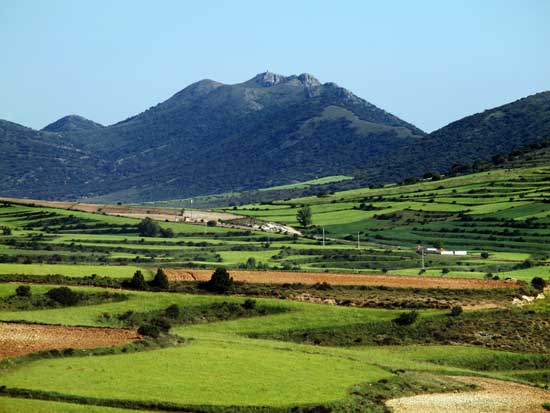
(282, 277)
(17, 339)
(494, 396)
(160, 214)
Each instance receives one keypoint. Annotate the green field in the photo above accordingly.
(287, 354)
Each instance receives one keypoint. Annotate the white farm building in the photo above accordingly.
(439, 251)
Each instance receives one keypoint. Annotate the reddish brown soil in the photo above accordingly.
(17, 339)
(281, 277)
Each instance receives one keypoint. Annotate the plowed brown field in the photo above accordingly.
(17, 339)
(282, 277)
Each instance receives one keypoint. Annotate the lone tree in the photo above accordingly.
(160, 281)
(148, 228)
(220, 281)
(304, 216)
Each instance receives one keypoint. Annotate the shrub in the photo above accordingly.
(148, 228)
(445, 271)
(149, 330)
(212, 223)
(23, 291)
(406, 319)
(220, 281)
(167, 232)
(538, 283)
(160, 281)
(138, 281)
(63, 295)
(484, 255)
(249, 304)
(172, 312)
(456, 311)
(162, 323)
(6, 231)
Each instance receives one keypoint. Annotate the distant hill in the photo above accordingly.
(40, 163)
(494, 131)
(72, 123)
(270, 130)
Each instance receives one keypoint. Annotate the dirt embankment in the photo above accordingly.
(494, 396)
(282, 277)
(17, 339)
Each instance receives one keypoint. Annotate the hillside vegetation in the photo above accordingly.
(270, 131)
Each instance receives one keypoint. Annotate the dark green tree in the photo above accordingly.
(303, 216)
(160, 281)
(220, 281)
(23, 291)
(138, 281)
(148, 228)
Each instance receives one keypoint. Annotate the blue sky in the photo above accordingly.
(428, 62)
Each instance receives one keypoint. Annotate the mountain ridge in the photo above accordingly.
(211, 137)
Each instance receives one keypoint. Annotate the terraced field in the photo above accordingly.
(307, 325)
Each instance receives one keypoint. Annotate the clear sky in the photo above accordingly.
(428, 62)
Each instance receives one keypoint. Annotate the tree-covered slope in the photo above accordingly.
(40, 164)
(270, 130)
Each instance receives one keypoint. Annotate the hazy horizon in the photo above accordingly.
(429, 63)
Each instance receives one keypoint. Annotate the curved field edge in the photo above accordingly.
(364, 397)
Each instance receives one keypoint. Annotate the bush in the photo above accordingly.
(212, 223)
(406, 319)
(538, 283)
(484, 255)
(149, 330)
(220, 281)
(249, 304)
(445, 271)
(456, 311)
(160, 281)
(138, 281)
(23, 291)
(172, 312)
(148, 228)
(162, 323)
(167, 232)
(63, 295)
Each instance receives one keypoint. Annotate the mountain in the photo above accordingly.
(72, 123)
(34, 163)
(212, 137)
(495, 131)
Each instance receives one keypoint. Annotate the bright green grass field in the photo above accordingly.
(113, 271)
(216, 373)
(10, 405)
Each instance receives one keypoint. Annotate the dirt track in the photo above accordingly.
(130, 211)
(281, 277)
(17, 339)
(495, 396)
